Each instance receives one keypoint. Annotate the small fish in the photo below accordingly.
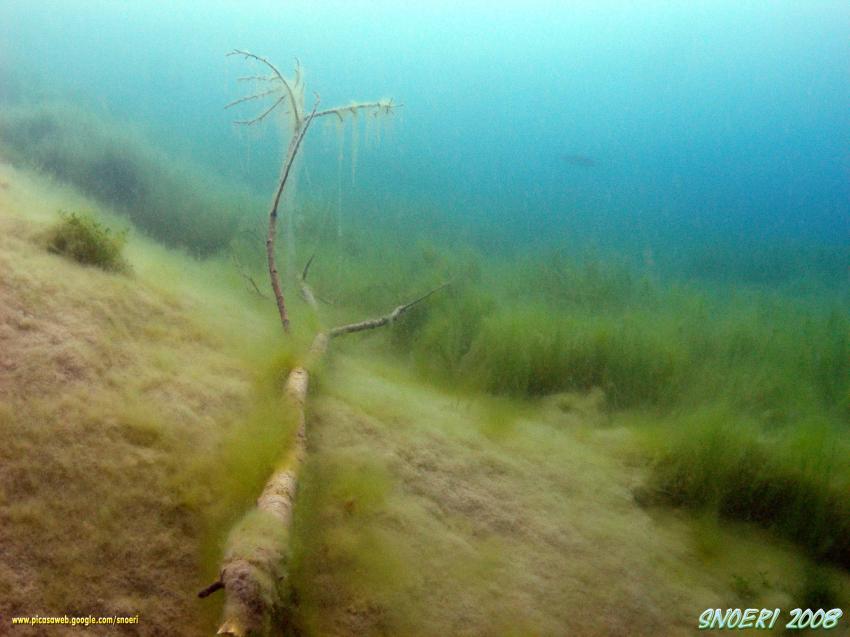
(582, 161)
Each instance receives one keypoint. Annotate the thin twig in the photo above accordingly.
(247, 55)
(212, 588)
(258, 78)
(339, 111)
(307, 267)
(262, 116)
(306, 290)
(278, 76)
(250, 98)
(244, 274)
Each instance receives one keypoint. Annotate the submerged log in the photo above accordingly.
(254, 572)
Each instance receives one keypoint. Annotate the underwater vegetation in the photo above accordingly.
(793, 481)
(771, 264)
(125, 389)
(86, 240)
(741, 380)
(550, 322)
(614, 389)
(173, 202)
(744, 391)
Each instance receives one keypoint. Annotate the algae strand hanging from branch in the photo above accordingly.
(287, 96)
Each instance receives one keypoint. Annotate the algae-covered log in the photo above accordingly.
(254, 572)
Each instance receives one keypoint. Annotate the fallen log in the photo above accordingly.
(254, 571)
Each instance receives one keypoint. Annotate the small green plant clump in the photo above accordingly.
(87, 241)
(172, 201)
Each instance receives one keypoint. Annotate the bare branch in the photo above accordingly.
(372, 324)
(248, 278)
(250, 98)
(307, 292)
(305, 288)
(258, 58)
(307, 267)
(294, 145)
(262, 116)
(293, 104)
(212, 588)
(244, 575)
(257, 78)
(297, 72)
(386, 106)
(279, 77)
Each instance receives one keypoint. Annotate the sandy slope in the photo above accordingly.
(421, 513)
(492, 522)
(106, 383)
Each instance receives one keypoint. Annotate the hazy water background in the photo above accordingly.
(705, 122)
(702, 140)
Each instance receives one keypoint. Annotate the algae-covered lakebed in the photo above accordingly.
(310, 325)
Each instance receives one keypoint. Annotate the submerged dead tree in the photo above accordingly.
(253, 575)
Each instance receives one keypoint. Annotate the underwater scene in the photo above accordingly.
(424, 319)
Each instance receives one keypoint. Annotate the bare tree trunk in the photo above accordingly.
(254, 573)
(294, 145)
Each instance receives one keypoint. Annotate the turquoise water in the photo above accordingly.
(650, 128)
(642, 204)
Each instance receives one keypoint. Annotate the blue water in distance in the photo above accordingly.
(635, 126)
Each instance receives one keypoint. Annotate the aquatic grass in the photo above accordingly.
(548, 322)
(780, 263)
(341, 549)
(771, 356)
(749, 385)
(528, 351)
(582, 280)
(420, 512)
(793, 482)
(446, 331)
(401, 524)
(594, 319)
